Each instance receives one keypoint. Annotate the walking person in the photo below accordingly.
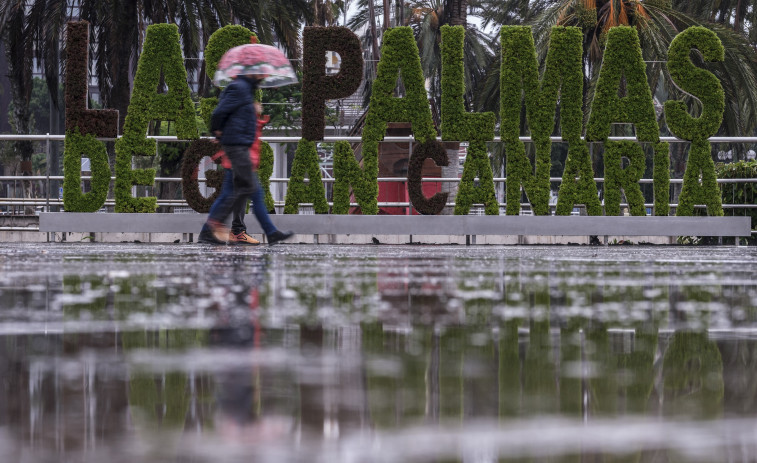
(238, 234)
(242, 70)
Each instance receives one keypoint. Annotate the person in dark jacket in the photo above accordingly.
(234, 122)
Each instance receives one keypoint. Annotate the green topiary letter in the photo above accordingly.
(477, 165)
(75, 146)
(617, 178)
(306, 162)
(578, 185)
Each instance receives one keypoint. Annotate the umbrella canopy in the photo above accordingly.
(255, 58)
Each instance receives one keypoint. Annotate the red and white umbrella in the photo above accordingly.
(258, 59)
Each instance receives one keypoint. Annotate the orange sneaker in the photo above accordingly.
(242, 238)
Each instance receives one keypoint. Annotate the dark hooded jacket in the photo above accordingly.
(235, 114)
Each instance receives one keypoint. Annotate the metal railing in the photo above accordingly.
(48, 201)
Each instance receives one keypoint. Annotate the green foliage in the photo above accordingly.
(100, 123)
(578, 185)
(587, 17)
(699, 165)
(661, 176)
(77, 145)
(282, 106)
(739, 193)
(617, 178)
(220, 42)
(265, 170)
(433, 150)
(317, 87)
(161, 54)
(623, 59)
(563, 76)
(476, 165)
(306, 162)
(189, 169)
(695, 81)
(348, 172)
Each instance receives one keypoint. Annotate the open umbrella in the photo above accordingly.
(255, 58)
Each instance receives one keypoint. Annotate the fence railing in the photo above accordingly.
(45, 199)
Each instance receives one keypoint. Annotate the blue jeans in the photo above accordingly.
(258, 205)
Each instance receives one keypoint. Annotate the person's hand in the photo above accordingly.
(218, 133)
(258, 107)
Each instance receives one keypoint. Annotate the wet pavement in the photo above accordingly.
(297, 353)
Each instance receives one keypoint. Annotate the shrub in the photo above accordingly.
(739, 193)
(399, 56)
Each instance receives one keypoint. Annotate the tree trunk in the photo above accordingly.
(374, 34)
(387, 15)
(456, 12)
(19, 55)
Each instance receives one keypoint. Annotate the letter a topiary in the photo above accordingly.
(75, 146)
(306, 162)
(704, 86)
(468, 194)
(578, 185)
(563, 75)
(459, 125)
(161, 52)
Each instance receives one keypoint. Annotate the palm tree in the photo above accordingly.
(35, 29)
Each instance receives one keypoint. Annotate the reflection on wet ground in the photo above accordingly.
(377, 354)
